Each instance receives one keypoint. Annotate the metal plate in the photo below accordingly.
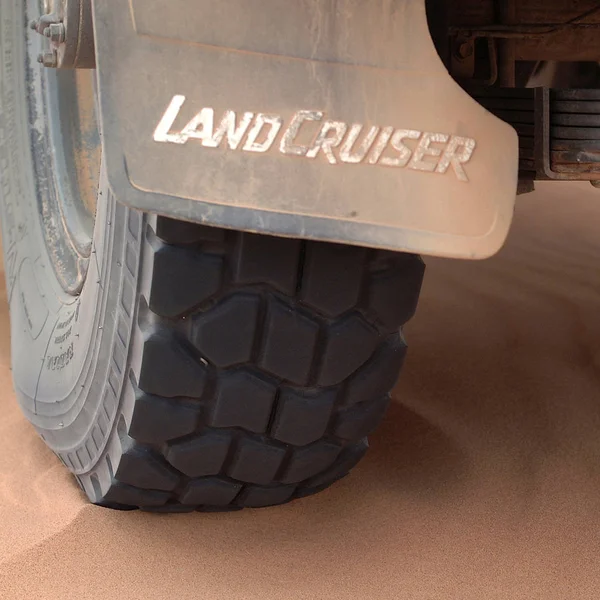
(306, 71)
(583, 107)
(574, 120)
(575, 133)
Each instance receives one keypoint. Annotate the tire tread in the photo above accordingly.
(265, 363)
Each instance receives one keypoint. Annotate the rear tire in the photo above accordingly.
(264, 363)
(190, 367)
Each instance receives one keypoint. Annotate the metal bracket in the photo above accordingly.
(542, 142)
(68, 25)
(542, 136)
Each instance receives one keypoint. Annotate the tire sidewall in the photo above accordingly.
(68, 369)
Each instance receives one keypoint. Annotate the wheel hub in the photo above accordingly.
(68, 25)
(67, 152)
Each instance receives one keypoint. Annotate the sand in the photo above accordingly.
(483, 483)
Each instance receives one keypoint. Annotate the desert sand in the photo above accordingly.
(483, 483)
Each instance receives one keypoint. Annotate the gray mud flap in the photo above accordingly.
(323, 119)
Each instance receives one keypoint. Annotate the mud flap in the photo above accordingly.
(325, 119)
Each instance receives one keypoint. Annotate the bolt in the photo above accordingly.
(464, 50)
(49, 59)
(44, 22)
(596, 183)
(56, 33)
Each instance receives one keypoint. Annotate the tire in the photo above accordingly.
(195, 368)
(264, 365)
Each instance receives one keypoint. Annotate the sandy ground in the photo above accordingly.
(483, 483)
